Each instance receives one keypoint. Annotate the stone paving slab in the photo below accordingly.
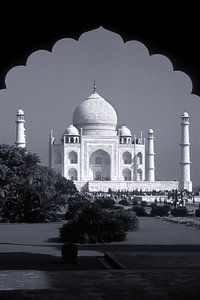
(112, 284)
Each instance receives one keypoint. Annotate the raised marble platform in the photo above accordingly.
(94, 186)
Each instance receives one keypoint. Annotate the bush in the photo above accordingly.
(143, 203)
(105, 202)
(179, 211)
(124, 202)
(72, 232)
(159, 211)
(75, 205)
(128, 219)
(94, 224)
(197, 212)
(140, 211)
(167, 206)
(136, 202)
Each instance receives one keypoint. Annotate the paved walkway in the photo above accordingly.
(108, 285)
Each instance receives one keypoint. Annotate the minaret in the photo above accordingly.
(150, 156)
(20, 130)
(185, 182)
(51, 142)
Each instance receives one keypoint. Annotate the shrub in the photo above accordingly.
(75, 205)
(140, 211)
(124, 202)
(143, 203)
(197, 212)
(72, 232)
(179, 211)
(167, 206)
(136, 202)
(94, 224)
(159, 211)
(128, 218)
(105, 202)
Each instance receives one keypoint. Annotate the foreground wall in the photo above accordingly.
(103, 186)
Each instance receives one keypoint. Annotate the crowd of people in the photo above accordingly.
(174, 198)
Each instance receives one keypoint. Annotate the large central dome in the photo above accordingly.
(95, 116)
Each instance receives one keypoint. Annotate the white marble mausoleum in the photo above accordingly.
(98, 155)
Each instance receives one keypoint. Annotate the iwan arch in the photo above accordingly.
(98, 155)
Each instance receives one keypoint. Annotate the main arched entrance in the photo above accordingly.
(100, 165)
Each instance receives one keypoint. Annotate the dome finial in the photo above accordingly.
(94, 87)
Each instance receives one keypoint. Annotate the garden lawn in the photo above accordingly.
(156, 231)
(43, 238)
(30, 238)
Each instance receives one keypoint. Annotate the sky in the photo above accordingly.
(145, 90)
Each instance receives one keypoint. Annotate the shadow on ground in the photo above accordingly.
(32, 261)
(149, 273)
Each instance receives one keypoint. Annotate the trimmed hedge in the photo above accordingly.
(140, 211)
(159, 211)
(143, 203)
(179, 211)
(197, 212)
(105, 202)
(124, 202)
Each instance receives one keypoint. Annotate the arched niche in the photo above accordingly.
(72, 174)
(139, 158)
(126, 157)
(72, 157)
(126, 173)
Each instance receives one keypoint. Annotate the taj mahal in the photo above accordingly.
(97, 154)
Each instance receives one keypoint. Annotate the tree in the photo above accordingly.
(30, 192)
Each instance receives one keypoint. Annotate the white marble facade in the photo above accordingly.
(97, 154)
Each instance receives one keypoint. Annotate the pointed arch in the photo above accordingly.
(72, 157)
(100, 165)
(72, 174)
(139, 158)
(126, 157)
(139, 175)
(126, 173)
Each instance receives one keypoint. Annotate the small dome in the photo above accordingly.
(20, 112)
(71, 130)
(185, 115)
(150, 131)
(124, 131)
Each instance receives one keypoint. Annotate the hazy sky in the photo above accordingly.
(144, 89)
